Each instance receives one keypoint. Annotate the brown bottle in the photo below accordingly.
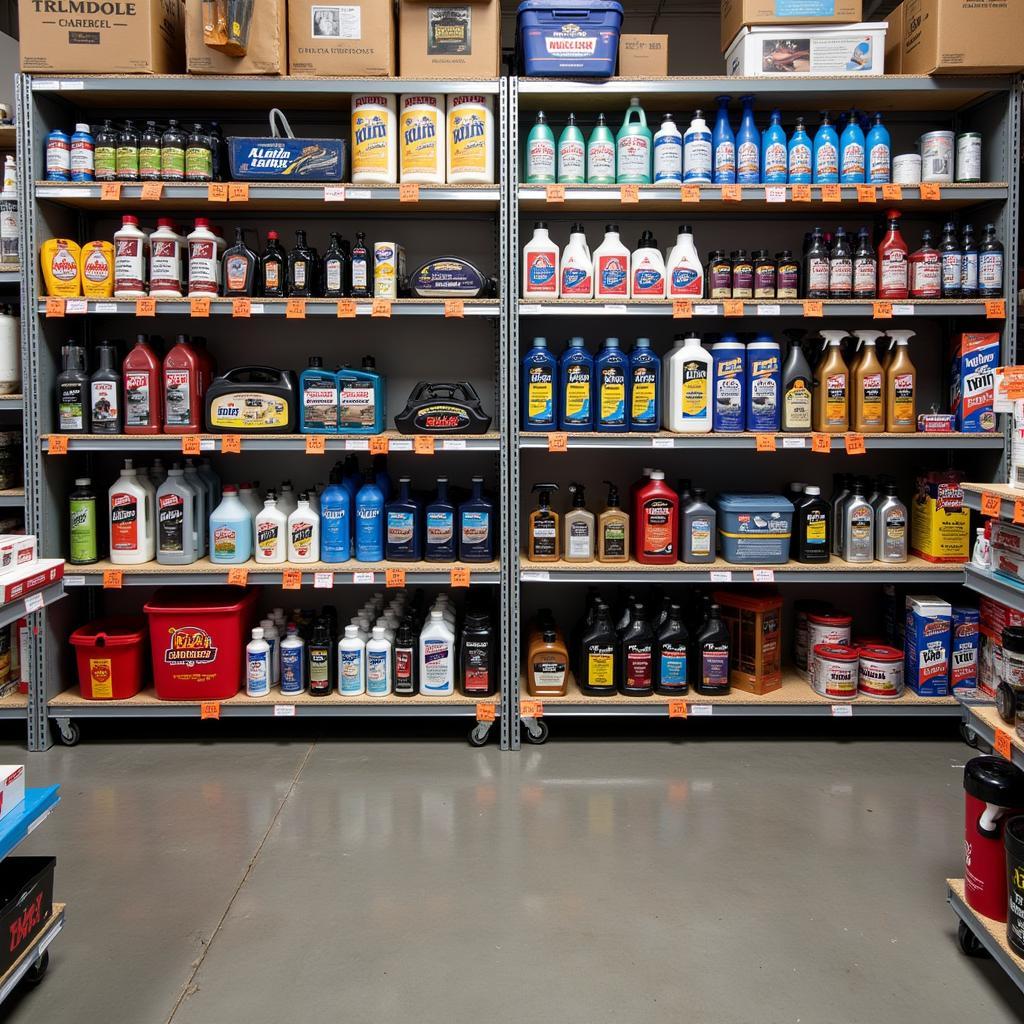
(901, 387)
(544, 540)
(547, 668)
(867, 399)
(832, 387)
(613, 529)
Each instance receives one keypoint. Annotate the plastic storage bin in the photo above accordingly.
(26, 903)
(568, 40)
(111, 657)
(754, 529)
(198, 642)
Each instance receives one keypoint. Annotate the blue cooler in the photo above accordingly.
(754, 529)
(568, 40)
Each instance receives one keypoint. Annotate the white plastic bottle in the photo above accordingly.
(351, 663)
(437, 657)
(130, 259)
(374, 140)
(668, 153)
(577, 270)
(249, 498)
(470, 143)
(378, 664)
(293, 659)
(611, 266)
(689, 379)
(647, 269)
(132, 524)
(166, 261)
(203, 261)
(257, 665)
(303, 533)
(697, 151)
(286, 501)
(273, 639)
(684, 272)
(540, 265)
(421, 137)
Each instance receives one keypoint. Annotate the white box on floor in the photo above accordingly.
(787, 51)
(12, 787)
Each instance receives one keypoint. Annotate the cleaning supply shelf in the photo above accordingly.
(795, 308)
(10, 273)
(12, 497)
(999, 588)
(14, 705)
(1007, 497)
(275, 442)
(990, 934)
(748, 441)
(11, 403)
(30, 603)
(981, 721)
(222, 306)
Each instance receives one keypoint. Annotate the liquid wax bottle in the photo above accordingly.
(369, 521)
(698, 537)
(668, 152)
(336, 521)
(826, 153)
(73, 416)
(647, 269)
(576, 385)
(270, 533)
(143, 394)
(688, 375)
(724, 140)
(539, 388)
(577, 266)
(601, 154)
(797, 384)
(541, 265)
(476, 513)
(683, 269)
(748, 146)
(657, 522)
(106, 409)
(611, 369)
(478, 670)
(611, 266)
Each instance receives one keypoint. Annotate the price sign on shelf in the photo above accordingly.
(152, 191)
(191, 444)
(881, 310)
(720, 575)
(291, 579)
(813, 307)
(1003, 745)
(423, 445)
(558, 442)
(241, 308)
(732, 307)
(831, 194)
(295, 309)
(486, 712)
(334, 193)
(58, 444)
(394, 579)
(821, 443)
(238, 577)
(110, 191)
(732, 193)
(991, 504)
(217, 192)
(363, 577)
(531, 709)
(113, 579)
(867, 194)
(892, 193)
(629, 193)
(764, 575)
(689, 193)
(323, 581)
(379, 444)
(459, 576)
(930, 191)
(231, 444)
(555, 193)
(145, 307)
(801, 193)
(775, 194)
(200, 307)
(453, 308)
(682, 309)
(995, 309)
(347, 309)
(209, 709)
(764, 442)
(54, 307)
(381, 308)
(284, 710)
(855, 444)
(408, 192)
(316, 444)
(238, 192)
(677, 708)
(34, 602)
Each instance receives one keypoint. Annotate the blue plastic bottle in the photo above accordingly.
(318, 397)
(800, 155)
(728, 412)
(576, 393)
(611, 368)
(230, 530)
(335, 521)
(879, 158)
(724, 140)
(748, 146)
(764, 385)
(644, 387)
(475, 519)
(58, 156)
(539, 388)
(826, 153)
(83, 166)
(774, 154)
(369, 519)
(851, 152)
(439, 535)
(380, 476)
(361, 401)
(403, 540)
(351, 478)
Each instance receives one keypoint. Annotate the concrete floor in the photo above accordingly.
(723, 880)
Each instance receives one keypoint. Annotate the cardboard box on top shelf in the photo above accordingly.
(894, 42)
(643, 56)
(146, 37)
(354, 38)
(738, 13)
(949, 37)
(267, 49)
(437, 39)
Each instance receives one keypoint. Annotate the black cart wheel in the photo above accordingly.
(968, 735)
(479, 734)
(535, 732)
(35, 973)
(69, 733)
(1006, 703)
(968, 941)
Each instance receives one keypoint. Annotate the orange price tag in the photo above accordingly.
(558, 442)
(110, 191)
(209, 709)
(995, 309)
(531, 709)
(238, 192)
(930, 191)
(408, 192)
(813, 307)
(113, 579)
(764, 442)
(831, 194)
(689, 193)
(881, 310)
(231, 444)
(555, 193)
(217, 192)
(677, 708)
(1003, 744)
(892, 193)
(1018, 511)
(190, 444)
(423, 445)
(381, 307)
(379, 445)
(241, 307)
(238, 577)
(394, 579)
(629, 193)
(732, 193)
(316, 444)
(459, 576)
(682, 309)
(347, 309)
(486, 712)
(867, 194)
(152, 191)
(454, 308)
(821, 443)
(295, 309)
(991, 504)
(291, 579)
(58, 444)
(54, 307)
(733, 307)
(855, 444)
(801, 193)
(145, 307)
(201, 307)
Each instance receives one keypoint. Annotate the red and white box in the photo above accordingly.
(20, 583)
(16, 549)
(12, 787)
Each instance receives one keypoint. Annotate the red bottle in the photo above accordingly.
(143, 390)
(183, 400)
(893, 276)
(656, 523)
(926, 270)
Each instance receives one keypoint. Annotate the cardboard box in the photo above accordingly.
(643, 56)
(12, 787)
(268, 43)
(439, 39)
(737, 14)
(24, 581)
(927, 645)
(828, 50)
(952, 37)
(972, 382)
(145, 37)
(940, 523)
(352, 38)
(894, 42)
(965, 638)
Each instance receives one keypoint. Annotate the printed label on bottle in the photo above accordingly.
(476, 666)
(203, 268)
(697, 160)
(103, 403)
(614, 539)
(579, 540)
(871, 399)
(864, 274)
(895, 536)
(540, 160)
(815, 527)
(714, 665)
(634, 157)
(612, 276)
(853, 161)
(225, 541)
(835, 399)
(436, 661)
(672, 674)
(927, 277)
(637, 666)
(570, 161)
(800, 162)
(685, 281)
(359, 274)
(165, 265)
(170, 521)
(612, 384)
(903, 404)
(70, 407)
(648, 280)
(827, 161)
(237, 269)
(377, 672)
(475, 529)
(257, 675)
(128, 162)
(775, 162)
(350, 670)
(658, 527)
(643, 407)
(788, 280)
(893, 271)
(878, 163)
(319, 669)
(129, 265)
(419, 129)
(440, 529)
(401, 528)
(748, 165)
(371, 145)
(137, 399)
(840, 274)
(178, 398)
(403, 669)
(149, 162)
(272, 276)
(124, 522)
(990, 272)
(576, 403)
(576, 280)
(540, 273)
(969, 272)
(105, 163)
(601, 666)
(725, 162)
(700, 535)
(601, 160)
(817, 273)
(694, 397)
(540, 396)
(545, 537)
(299, 274)
(797, 411)
(951, 263)
(172, 163)
(268, 537)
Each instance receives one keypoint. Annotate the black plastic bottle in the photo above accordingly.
(172, 152)
(128, 153)
(198, 155)
(840, 267)
(321, 663)
(106, 394)
(274, 268)
(951, 255)
(73, 415)
(816, 266)
(582, 626)
(636, 656)
(301, 264)
(477, 668)
(812, 528)
(150, 142)
(335, 269)
(990, 265)
(240, 268)
(406, 679)
(598, 655)
(361, 271)
(219, 152)
(711, 656)
(865, 267)
(969, 267)
(671, 668)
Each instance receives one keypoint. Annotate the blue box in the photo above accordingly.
(754, 529)
(926, 644)
(568, 40)
(965, 644)
(270, 159)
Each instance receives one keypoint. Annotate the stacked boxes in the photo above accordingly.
(972, 382)
(926, 648)
(963, 672)
(993, 619)
(940, 524)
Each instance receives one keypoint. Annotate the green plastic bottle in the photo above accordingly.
(633, 147)
(82, 509)
(540, 153)
(571, 154)
(601, 154)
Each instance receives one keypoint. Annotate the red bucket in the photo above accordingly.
(111, 657)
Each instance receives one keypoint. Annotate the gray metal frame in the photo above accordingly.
(1009, 963)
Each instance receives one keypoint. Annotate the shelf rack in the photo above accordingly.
(490, 442)
(990, 584)
(989, 934)
(705, 309)
(276, 307)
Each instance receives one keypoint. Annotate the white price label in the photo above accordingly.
(764, 575)
(902, 309)
(769, 310)
(76, 306)
(45, 85)
(534, 576)
(842, 711)
(704, 310)
(325, 580)
(454, 444)
(775, 194)
(207, 444)
(74, 85)
(358, 193)
(663, 442)
(104, 307)
(721, 575)
(529, 309)
(362, 577)
(256, 309)
(284, 710)
(794, 442)
(400, 444)
(74, 581)
(701, 709)
(615, 307)
(34, 602)
(334, 193)
(357, 444)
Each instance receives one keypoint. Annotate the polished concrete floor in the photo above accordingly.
(727, 879)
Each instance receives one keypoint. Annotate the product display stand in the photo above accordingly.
(979, 935)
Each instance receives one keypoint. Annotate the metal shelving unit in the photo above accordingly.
(31, 603)
(272, 308)
(662, 440)
(708, 309)
(490, 442)
(982, 933)
(999, 588)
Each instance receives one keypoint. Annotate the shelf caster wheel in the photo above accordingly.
(968, 941)
(35, 973)
(479, 734)
(968, 735)
(69, 732)
(535, 730)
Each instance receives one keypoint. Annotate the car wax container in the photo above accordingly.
(439, 534)
(475, 537)
(403, 540)
(318, 411)
(252, 400)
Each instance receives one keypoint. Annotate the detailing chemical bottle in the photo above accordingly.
(879, 158)
(166, 261)
(378, 664)
(97, 260)
(711, 649)
(105, 152)
(633, 147)
(128, 153)
(797, 383)
(83, 523)
(799, 155)
(320, 663)
(303, 266)
(319, 404)
(351, 663)
(106, 410)
(369, 522)
(539, 388)
(858, 527)
(303, 533)
(601, 154)
(439, 522)
(548, 665)
(698, 152)
(335, 523)
(865, 267)
(204, 269)
(421, 139)
(689, 382)
(362, 399)
(610, 370)
(644, 387)
(576, 384)
(812, 534)
(990, 265)
(293, 663)
(198, 155)
(571, 168)
(177, 533)
(598, 655)
(208, 498)
(132, 529)
(670, 662)
(657, 522)
(764, 385)
(172, 151)
(951, 254)
(143, 391)
(893, 261)
(182, 396)
(477, 657)
(130, 244)
(274, 272)
(840, 492)
(683, 269)
(579, 528)
(725, 145)
(476, 513)
(852, 168)
(636, 655)
(406, 681)
(150, 140)
(668, 152)
(900, 386)
(699, 533)
(257, 665)
(647, 269)
(729, 412)
(374, 140)
(611, 266)
(402, 539)
(891, 528)
(543, 534)
(437, 657)
(969, 267)
(334, 271)
(230, 530)
(270, 527)
(240, 268)
(361, 276)
(540, 152)
(832, 387)
(926, 270)
(774, 153)
(613, 529)
(61, 259)
(867, 399)
(577, 266)
(840, 267)
(273, 639)
(816, 267)
(540, 265)
(826, 153)
(470, 143)
(748, 146)
(58, 156)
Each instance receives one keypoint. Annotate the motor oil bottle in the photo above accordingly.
(764, 385)
(577, 266)
(182, 396)
(293, 663)
(130, 245)
(611, 368)
(647, 269)
(437, 657)
(132, 531)
(689, 379)
(362, 399)
(644, 387)
(858, 527)
(867, 401)
(360, 269)
(952, 256)
(667, 161)
(636, 656)
(842, 489)
(402, 539)
(319, 399)
(657, 522)
(571, 167)
(106, 411)
(891, 533)
(797, 383)
(579, 527)
(613, 529)
(712, 647)
(439, 521)
(543, 533)
(684, 272)
(671, 677)
(990, 265)
(812, 534)
(539, 388)
(477, 657)
(83, 530)
(724, 140)
(633, 146)
(166, 261)
(540, 265)
(369, 522)
(208, 499)
(476, 513)
(143, 393)
(576, 380)
(270, 527)
(900, 386)
(832, 387)
(177, 505)
(540, 153)
(274, 269)
(597, 671)
(699, 533)
(969, 266)
(406, 669)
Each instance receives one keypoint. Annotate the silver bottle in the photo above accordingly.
(177, 526)
(839, 496)
(891, 528)
(699, 533)
(858, 521)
